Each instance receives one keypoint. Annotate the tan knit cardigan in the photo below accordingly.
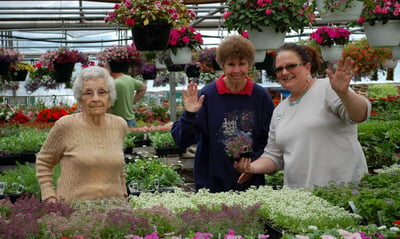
(91, 159)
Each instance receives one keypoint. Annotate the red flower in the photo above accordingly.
(51, 115)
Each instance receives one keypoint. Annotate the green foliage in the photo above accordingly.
(376, 198)
(23, 139)
(379, 140)
(129, 139)
(162, 139)
(382, 90)
(275, 181)
(25, 175)
(386, 108)
(145, 171)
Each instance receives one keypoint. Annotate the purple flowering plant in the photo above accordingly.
(148, 68)
(10, 55)
(237, 145)
(207, 54)
(329, 36)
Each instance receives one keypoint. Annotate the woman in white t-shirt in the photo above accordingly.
(313, 132)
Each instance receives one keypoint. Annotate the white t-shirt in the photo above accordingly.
(315, 141)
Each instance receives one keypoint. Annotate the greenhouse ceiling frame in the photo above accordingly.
(27, 18)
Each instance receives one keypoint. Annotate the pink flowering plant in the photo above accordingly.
(283, 16)
(237, 145)
(126, 53)
(380, 10)
(144, 12)
(186, 36)
(63, 55)
(10, 55)
(329, 36)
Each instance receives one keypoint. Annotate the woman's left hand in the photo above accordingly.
(340, 80)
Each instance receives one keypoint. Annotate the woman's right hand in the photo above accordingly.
(243, 165)
(190, 98)
(51, 200)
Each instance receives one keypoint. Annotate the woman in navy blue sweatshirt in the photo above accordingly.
(226, 119)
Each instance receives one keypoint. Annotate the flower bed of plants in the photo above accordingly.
(181, 214)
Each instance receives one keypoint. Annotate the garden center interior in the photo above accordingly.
(158, 174)
(33, 27)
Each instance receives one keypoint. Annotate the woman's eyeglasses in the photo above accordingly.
(90, 93)
(289, 67)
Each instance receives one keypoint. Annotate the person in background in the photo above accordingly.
(88, 145)
(129, 91)
(313, 132)
(231, 110)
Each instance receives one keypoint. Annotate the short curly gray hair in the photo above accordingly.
(92, 72)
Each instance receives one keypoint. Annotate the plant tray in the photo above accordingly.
(12, 159)
(169, 150)
(142, 142)
(273, 232)
(161, 190)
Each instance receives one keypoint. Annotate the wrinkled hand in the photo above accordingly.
(340, 80)
(244, 177)
(243, 166)
(190, 98)
(51, 200)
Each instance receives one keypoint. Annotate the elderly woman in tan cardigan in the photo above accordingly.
(87, 145)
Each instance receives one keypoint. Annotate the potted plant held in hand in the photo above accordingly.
(182, 42)
(238, 146)
(331, 40)
(151, 20)
(268, 19)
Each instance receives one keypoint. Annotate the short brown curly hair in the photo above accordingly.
(235, 46)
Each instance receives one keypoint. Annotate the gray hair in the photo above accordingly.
(92, 72)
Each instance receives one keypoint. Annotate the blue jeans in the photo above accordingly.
(131, 123)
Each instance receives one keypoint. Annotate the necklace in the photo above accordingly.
(298, 100)
(292, 103)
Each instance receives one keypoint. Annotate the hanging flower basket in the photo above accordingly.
(192, 71)
(4, 67)
(275, 39)
(332, 53)
(260, 55)
(396, 52)
(149, 76)
(119, 66)
(152, 37)
(215, 65)
(383, 35)
(339, 11)
(175, 68)
(183, 55)
(18, 75)
(63, 71)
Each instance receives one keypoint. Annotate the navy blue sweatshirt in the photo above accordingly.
(220, 117)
